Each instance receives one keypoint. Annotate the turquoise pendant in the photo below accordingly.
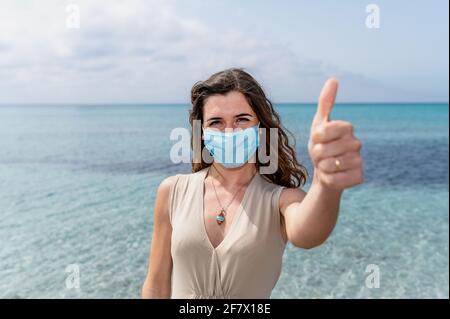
(220, 217)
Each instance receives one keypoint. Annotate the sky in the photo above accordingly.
(141, 51)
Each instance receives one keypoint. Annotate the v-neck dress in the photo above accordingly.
(246, 264)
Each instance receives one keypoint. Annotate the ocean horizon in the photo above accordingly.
(78, 184)
(279, 104)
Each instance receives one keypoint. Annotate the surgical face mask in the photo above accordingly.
(232, 149)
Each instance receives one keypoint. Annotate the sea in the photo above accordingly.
(78, 185)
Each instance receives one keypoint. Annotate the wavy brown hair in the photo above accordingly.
(290, 172)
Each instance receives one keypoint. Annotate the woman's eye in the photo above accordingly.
(213, 122)
(243, 119)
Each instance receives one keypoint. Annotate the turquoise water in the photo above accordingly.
(77, 186)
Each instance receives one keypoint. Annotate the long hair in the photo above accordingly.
(290, 172)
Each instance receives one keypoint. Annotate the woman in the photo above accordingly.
(220, 232)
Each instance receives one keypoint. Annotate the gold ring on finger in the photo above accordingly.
(338, 164)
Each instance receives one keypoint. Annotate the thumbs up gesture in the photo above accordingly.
(334, 150)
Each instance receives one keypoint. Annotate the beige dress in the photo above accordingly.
(246, 264)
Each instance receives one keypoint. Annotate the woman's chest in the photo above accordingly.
(219, 214)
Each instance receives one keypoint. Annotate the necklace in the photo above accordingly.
(220, 217)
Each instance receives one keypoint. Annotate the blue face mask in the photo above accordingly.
(232, 149)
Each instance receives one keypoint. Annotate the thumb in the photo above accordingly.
(326, 101)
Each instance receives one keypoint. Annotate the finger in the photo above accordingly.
(321, 151)
(326, 101)
(343, 180)
(348, 161)
(330, 131)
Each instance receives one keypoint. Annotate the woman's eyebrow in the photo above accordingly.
(213, 118)
(219, 118)
(243, 114)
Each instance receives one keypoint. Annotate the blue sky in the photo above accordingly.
(153, 51)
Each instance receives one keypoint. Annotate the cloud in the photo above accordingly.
(144, 51)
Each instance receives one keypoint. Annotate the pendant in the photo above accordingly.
(220, 217)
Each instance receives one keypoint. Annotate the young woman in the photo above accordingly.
(220, 231)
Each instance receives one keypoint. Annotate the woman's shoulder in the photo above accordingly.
(284, 189)
(179, 178)
(286, 195)
(290, 195)
(269, 185)
(168, 182)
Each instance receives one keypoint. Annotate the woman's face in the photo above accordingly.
(229, 111)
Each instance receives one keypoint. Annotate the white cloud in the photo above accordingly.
(143, 51)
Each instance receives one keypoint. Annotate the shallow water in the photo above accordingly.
(77, 186)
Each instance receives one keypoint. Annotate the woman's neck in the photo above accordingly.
(233, 177)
